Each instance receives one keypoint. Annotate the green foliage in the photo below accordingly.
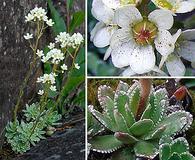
(59, 24)
(77, 20)
(141, 137)
(177, 149)
(21, 135)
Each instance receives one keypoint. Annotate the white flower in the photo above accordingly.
(103, 30)
(37, 14)
(185, 48)
(41, 92)
(47, 78)
(28, 36)
(53, 88)
(64, 68)
(55, 55)
(133, 44)
(51, 45)
(176, 6)
(50, 22)
(39, 53)
(76, 66)
(76, 39)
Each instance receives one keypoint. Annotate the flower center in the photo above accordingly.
(126, 2)
(144, 32)
(164, 4)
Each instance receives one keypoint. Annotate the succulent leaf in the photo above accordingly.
(105, 92)
(103, 119)
(122, 86)
(105, 144)
(175, 122)
(175, 156)
(141, 127)
(154, 134)
(134, 98)
(145, 149)
(187, 156)
(120, 122)
(123, 154)
(125, 138)
(165, 151)
(130, 119)
(179, 145)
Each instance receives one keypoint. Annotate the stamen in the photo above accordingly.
(144, 25)
(136, 32)
(153, 30)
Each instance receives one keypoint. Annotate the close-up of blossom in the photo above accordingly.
(134, 43)
(141, 37)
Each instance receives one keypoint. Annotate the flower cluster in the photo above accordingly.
(39, 14)
(66, 40)
(55, 55)
(136, 39)
(47, 79)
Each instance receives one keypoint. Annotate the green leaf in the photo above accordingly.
(59, 24)
(125, 138)
(134, 100)
(187, 156)
(179, 145)
(105, 144)
(155, 134)
(80, 99)
(103, 119)
(120, 121)
(175, 156)
(123, 154)
(145, 149)
(165, 151)
(141, 127)
(69, 4)
(175, 122)
(77, 20)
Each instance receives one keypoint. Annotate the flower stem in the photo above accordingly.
(32, 65)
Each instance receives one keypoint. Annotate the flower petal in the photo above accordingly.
(126, 16)
(142, 59)
(103, 36)
(121, 36)
(97, 27)
(187, 51)
(175, 66)
(108, 53)
(189, 34)
(164, 42)
(121, 55)
(101, 12)
(112, 3)
(162, 18)
(128, 72)
(186, 6)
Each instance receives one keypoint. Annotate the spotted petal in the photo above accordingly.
(164, 42)
(142, 59)
(121, 36)
(101, 12)
(126, 16)
(162, 18)
(175, 66)
(128, 72)
(121, 55)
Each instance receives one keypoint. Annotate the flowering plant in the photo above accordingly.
(63, 72)
(142, 37)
